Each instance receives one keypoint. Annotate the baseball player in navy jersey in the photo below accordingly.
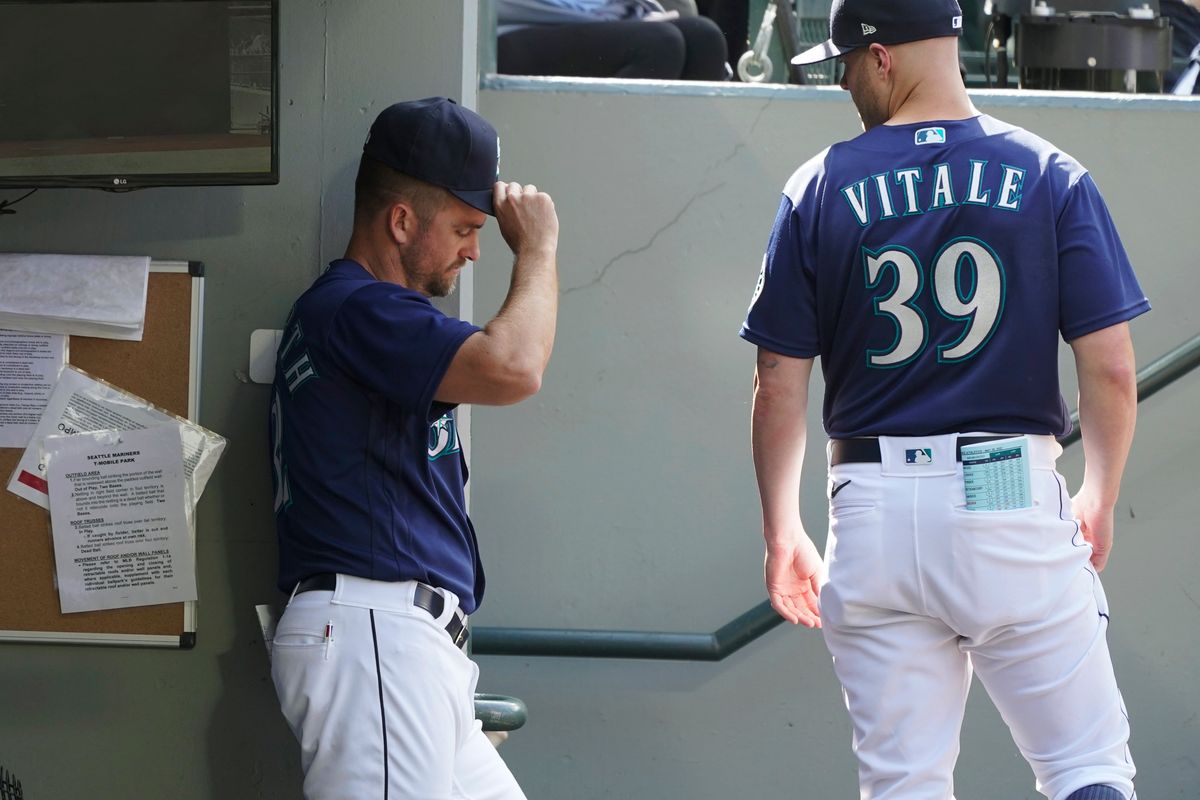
(376, 550)
(933, 263)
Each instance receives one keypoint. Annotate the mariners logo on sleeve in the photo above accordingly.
(443, 438)
(762, 279)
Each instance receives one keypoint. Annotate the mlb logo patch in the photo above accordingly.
(918, 456)
(930, 136)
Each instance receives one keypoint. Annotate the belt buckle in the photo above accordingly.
(461, 637)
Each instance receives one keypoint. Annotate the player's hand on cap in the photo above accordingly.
(527, 219)
(793, 577)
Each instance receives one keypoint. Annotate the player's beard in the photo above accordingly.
(424, 273)
(444, 283)
(870, 112)
(870, 101)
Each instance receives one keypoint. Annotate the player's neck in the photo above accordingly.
(934, 100)
(376, 255)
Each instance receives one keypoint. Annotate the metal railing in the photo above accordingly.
(1155, 376)
(715, 646)
(498, 712)
(736, 634)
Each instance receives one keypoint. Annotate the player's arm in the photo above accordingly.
(504, 362)
(778, 433)
(1107, 411)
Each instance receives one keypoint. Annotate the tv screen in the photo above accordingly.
(123, 95)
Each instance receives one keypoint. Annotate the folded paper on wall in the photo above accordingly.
(83, 404)
(103, 296)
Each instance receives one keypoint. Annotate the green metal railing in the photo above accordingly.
(1155, 376)
(498, 712)
(729, 638)
(734, 635)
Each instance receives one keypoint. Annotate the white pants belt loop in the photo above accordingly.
(387, 595)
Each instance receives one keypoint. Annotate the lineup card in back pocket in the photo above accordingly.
(996, 474)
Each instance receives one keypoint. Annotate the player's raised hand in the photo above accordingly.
(793, 577)
(527, 219)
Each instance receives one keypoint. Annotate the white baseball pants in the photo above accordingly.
(383, 708)
(920, 593)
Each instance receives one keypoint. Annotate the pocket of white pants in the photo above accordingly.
(303, 625)
(1044, 491)
(299, 638)
(1005, 512)
(846, 499)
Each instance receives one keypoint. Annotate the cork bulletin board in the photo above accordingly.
(162, 368)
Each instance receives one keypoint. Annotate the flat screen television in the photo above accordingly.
(138, 93)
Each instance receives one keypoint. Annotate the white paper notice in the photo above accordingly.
(29, 366)
(81, 404)
(121, 536)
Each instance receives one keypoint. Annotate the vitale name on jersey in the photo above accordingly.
(919, 190)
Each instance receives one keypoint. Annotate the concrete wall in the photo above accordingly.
(620, 497)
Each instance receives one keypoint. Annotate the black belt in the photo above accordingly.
(866, 450)
(425, 597)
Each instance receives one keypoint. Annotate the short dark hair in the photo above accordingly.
(377, 186)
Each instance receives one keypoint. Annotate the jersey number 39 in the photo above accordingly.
(968, 287)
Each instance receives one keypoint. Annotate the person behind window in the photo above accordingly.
(684, 8)
(1185, 35)
(607, 39)
(731, 16)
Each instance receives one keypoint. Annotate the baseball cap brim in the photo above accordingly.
(822, 52)
(480, 199)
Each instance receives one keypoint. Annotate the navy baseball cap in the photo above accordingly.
(858, 23)
(438, 141)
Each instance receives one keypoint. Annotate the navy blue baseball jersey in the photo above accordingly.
(368, 469)
(933, 268)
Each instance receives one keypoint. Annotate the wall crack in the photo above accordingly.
(741, 145)
(624, 254)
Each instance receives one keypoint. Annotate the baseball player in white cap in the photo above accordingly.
(932, 264)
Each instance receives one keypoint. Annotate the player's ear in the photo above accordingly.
(879, 60)
(401, 222)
